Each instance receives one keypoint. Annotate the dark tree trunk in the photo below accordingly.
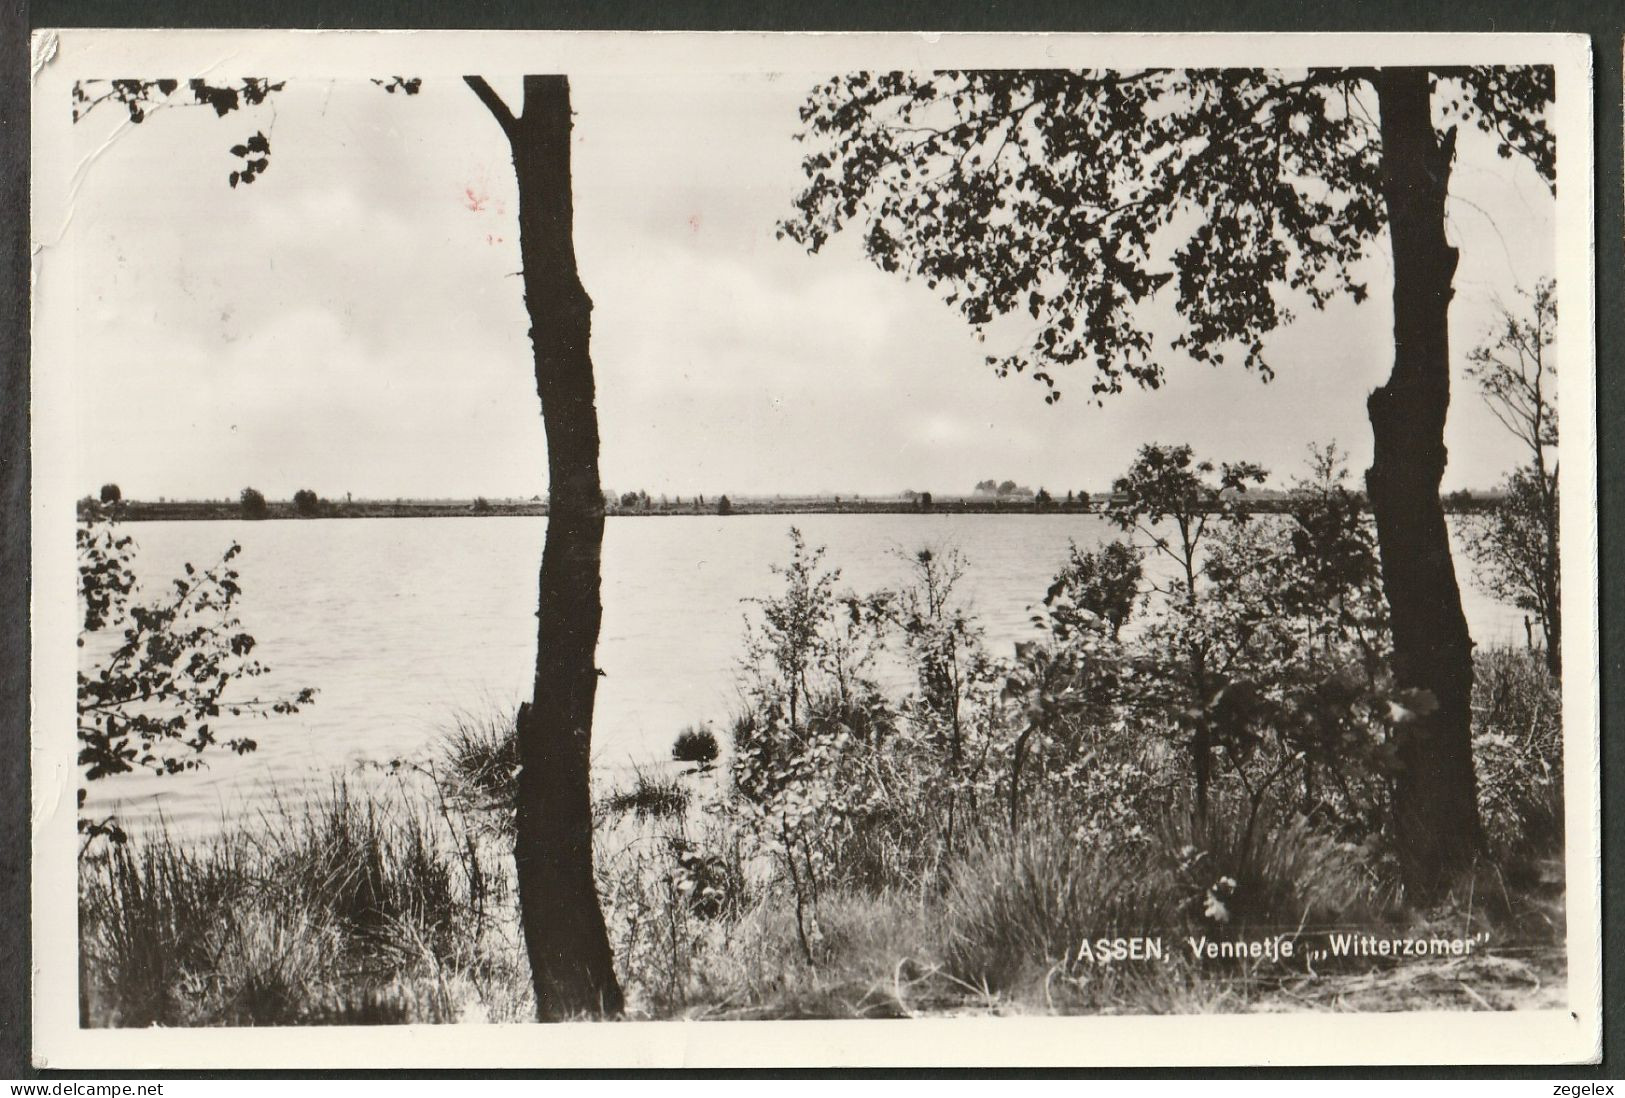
(1435, 795)
(565, 935)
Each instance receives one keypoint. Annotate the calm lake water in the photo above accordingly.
(403, 623)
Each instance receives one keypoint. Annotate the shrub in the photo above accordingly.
(1242, 873)
(1100, 585)
(695, 745)
(111, 493)
(1514, 547)
(307, 503)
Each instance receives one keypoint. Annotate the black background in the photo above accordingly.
(1604, 22)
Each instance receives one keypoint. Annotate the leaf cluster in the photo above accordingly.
(1071, 198)
(162, 696)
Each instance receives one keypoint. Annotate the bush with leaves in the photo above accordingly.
(695, 745)
(1098, 585)
(1058, 698)
(155, 701)
(1177, 503)
(1265, 657)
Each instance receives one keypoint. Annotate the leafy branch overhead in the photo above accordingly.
(139, 97)
(1074, 197)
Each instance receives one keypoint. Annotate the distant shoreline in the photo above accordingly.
(201, 511)
(217, 511)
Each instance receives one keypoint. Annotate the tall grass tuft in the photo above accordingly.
(1018, 907)
(328, 912)
(650, 796)
(479, 765)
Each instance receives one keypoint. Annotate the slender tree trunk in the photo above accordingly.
(571, 965)
(1436, 819)
(1202, 735)
(1551, 569)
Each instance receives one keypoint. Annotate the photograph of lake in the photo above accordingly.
(688, 534)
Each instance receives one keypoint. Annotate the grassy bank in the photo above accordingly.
(350, 909)
(398, 906)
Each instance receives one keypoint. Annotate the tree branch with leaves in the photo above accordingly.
(1075, 198)
(165, 694)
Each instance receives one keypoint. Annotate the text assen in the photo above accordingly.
(1101, 951)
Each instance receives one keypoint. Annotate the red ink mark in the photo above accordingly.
(475, 202)
(490, 239)
(694, 222)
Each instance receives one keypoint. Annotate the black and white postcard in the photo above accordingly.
(758, 550)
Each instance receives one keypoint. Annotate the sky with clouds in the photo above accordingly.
(352, 322)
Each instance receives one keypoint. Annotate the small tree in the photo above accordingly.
(1333, 576)
(925, 502)
(306, 502)
(953, 671)
(1516, 547)
(1166, 485)
(1175, 501)
(724, 507)
(810, 644)
(790, 638)
(253, 504)
(1515, 556)
(111, 493)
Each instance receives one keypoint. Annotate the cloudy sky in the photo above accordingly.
(352, 322)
